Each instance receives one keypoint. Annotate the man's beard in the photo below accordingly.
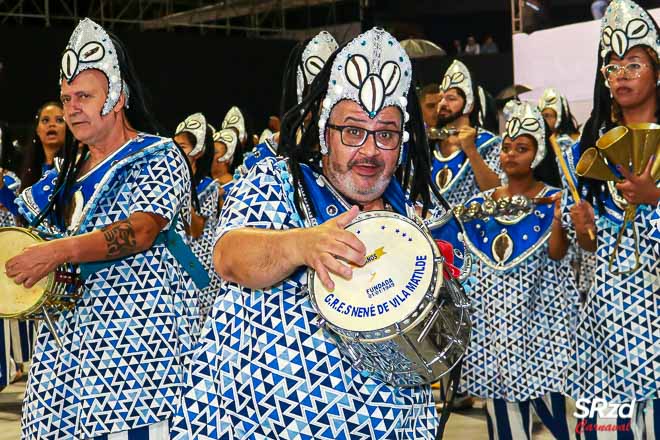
(340, 179)
(443, 121)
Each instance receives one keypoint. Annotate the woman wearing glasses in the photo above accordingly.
(617, 346)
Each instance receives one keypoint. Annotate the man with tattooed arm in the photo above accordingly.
(119, 206)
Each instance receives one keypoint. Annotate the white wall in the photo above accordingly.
(564, 57)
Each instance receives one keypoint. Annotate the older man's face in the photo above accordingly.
(362, 173)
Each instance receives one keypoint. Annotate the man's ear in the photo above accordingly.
(120, 105)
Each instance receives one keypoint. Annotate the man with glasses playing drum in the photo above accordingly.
(111, 364)
(322, 254)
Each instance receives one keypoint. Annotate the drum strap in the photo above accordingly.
(452, 390)
(175, 244)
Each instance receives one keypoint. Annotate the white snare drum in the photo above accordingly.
(50, 296)
(396, 318)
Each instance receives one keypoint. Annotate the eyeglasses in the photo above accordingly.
(630, 70)
(357, 136)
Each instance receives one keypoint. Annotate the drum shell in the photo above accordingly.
(54, 297)
(424, 352)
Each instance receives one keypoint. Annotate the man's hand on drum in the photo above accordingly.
(323, 247)
(34, 263)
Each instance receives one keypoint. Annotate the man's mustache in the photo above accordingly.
(365, 161)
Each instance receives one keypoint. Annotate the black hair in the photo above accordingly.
(601, 121)
(489, 119)
(428, 89)
(237, 158)
(547, 170)
(290, 77)
(33, 156)
(476, 106)
(414, 174)
(568, 124)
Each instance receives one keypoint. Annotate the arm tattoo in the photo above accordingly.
(120, 239)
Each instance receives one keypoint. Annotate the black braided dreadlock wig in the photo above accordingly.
(414, 174)
(137, 115)
(290, 78)
(568, 123)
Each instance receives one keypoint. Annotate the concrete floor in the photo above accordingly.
(464, 425)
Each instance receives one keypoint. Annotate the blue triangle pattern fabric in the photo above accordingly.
(258, 373)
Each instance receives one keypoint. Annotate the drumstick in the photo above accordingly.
(567, 174)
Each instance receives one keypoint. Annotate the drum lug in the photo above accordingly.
(319, 322)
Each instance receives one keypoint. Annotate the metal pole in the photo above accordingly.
(47, 12)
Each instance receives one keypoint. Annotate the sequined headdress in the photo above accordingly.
(228, 137)
(235, 119)
(552, 99)
(523, 118)
(316, 53)
(196, 125)
(458, 76)
(626, 25)
(90, 47)
(374, 71)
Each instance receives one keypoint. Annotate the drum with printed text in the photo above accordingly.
(396, 318)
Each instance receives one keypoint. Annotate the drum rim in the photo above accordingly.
(391, 331)
(50, 278)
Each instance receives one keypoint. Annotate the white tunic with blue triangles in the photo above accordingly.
(520, 299)
(454, 174)
(129, 336)
(265, 370)
(208, 192)
(584, 262)
(617, 351)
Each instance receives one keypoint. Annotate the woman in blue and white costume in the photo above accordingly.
(617, 352)
(120, 211)
(521, 291)
(50, 136)
(195, 137)
(264, 368)
(557, 114)
(305, 62)
(466, 159)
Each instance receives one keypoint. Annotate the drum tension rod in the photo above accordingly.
(51, 327)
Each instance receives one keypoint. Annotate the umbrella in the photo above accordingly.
(512, 92)
(416, 48)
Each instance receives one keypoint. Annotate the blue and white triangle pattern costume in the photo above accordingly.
(520, 323)
(454, 174)
(265, 370)
(617, 350)
(208, 192)
(126, 344)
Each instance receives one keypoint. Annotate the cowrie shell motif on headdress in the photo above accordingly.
(552, 99)
(626, 25)
(196, 125)
(235, 119)
(316, 53)
(458, 76)
(523, 118)
(372, 70)
(90, 47)
(228, 137)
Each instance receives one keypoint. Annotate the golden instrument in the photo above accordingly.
(55, 293)
(632, 147)
(569, 179)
